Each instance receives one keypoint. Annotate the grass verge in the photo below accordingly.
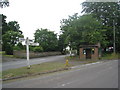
(110, 56)
(4, 54)
(38, 68)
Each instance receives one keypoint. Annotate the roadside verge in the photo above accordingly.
(37, 69)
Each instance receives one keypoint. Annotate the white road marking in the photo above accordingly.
(85, 65)
(63, 85)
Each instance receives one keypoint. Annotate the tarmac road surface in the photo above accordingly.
(99, 75)
(23, 62)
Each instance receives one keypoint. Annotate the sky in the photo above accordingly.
(36, 14)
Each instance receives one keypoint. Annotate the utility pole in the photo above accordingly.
(114, 37)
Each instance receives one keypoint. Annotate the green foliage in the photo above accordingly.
(10, 38)
(4, 24)
(31, 47)
(20, 45)
(16, 48)
(79, 29)
(37, 68)
(38, 49)
(9, 49)
(111, 56)
(61, 42)
(107, 12)
(14, 26)
(46, 39)
(10, 35)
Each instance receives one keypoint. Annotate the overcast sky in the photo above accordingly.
(34, 14)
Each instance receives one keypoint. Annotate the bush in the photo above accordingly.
(9, 50)
(110, 56)
(20, 45)
(31, 48)
(17, 48)
(38, 49)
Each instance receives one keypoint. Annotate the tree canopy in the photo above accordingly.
(46, 39)
(82, 29)
(109, 14)
(10, 38)
(10, 34)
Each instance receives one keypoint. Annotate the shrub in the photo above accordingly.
(38, 49)
(31, 48)
(9, 50)
(17, 48)
(20, 45)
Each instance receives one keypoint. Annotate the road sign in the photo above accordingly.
(27, 48)
(34, 44)
(21, 39)
(28, 42)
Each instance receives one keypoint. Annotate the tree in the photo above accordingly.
(69, 29)
(14, 26)
(4, 24)
(61, 42)
(107, 12)
(10, 34)
(10, 38)
(46, 39)
(80, 29)
(11, 25)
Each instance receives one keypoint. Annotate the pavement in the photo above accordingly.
(94, 75)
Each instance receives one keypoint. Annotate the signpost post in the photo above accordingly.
(27, 50)
(28, 42)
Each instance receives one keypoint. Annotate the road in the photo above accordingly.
(23, 62)
(99, 75)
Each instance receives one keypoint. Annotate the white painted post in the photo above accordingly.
(27, 50)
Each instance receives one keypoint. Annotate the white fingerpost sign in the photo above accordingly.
(28, 42)
(27, 50)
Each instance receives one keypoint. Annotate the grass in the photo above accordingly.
(75, 58)
(110, 56)
(4, 54)
(9, 56)
(44, 67)
(104, 57)
(49, 66)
